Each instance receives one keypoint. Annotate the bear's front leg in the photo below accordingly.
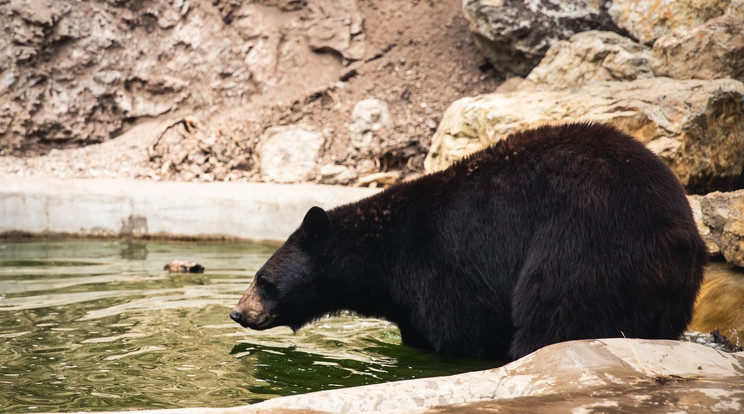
(411, 337)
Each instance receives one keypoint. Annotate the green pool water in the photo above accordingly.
(99, 325)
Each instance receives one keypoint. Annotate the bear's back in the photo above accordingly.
(582, 165)
(584, 150)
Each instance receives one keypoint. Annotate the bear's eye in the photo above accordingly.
(264, 284)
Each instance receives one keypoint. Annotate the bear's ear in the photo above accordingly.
(316, 223)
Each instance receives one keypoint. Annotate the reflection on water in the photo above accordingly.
(90, 325)
(720, 304)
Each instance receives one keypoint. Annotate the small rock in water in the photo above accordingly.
(722, 340)
(178, 266)
(714, 340)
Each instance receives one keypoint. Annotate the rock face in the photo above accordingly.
(289, 154)
(723, 214)
(73, 73)
(85, 72)
(647, 21)
(515, 34)
(696, 127)
(590, 57)
(709, 51)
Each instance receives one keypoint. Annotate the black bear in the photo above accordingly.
(552, 234)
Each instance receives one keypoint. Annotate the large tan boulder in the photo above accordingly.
(696, 127)
(709, 51)
(590, 57)
(647, 20)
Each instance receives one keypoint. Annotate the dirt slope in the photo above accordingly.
(418, 57)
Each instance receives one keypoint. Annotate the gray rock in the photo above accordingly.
(336, 25)
(646, 21)
(367, 118)
(335, 174)
(695, 126)
(723, 214)
(590, 57)
(289, 154)
(514, 35)
(709, 51)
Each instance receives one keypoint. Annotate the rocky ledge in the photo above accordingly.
(682, 96)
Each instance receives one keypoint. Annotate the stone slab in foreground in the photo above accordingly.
(620, 375)
(130, 208)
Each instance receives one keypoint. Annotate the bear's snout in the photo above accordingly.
(254, 320)
(237, 317)
(251, 313)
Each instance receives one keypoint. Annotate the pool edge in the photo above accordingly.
(142, 209)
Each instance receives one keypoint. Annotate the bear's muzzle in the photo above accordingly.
(251, 312)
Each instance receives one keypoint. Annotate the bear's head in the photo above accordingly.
(290, 289)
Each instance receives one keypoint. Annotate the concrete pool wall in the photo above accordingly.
(132, 208)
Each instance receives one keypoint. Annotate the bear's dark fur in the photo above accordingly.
(557, 233)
